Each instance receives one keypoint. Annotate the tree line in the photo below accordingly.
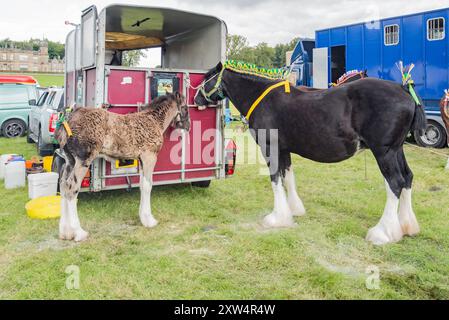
(55, 49)
(262, 54)
(238, 48)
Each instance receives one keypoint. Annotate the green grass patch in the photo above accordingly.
(209, 244)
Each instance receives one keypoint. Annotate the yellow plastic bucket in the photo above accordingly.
(47, 163)
(44, 207)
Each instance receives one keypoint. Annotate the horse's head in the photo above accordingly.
(211, 90)
(182, 118)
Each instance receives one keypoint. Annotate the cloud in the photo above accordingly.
(268, 21)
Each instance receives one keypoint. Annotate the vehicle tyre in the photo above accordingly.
(201, 184)
(43, 149)
(14, 128)
(435, 136)
(29, 139)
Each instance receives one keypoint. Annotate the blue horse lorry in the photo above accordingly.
(377, 46)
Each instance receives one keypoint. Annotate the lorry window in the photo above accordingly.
(435, 29)
(13, 94)
(391, 35)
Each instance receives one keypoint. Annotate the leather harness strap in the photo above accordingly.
(256, 103)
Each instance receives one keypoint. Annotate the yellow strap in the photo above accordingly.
(67, 128)
(265, 93)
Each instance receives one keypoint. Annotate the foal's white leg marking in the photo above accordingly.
(294, 202)
(281, 216)
(80, 234)
(146, 185)
(65, 231)
(388, 229)
(407, 217)
(69, 224)
(447, 165)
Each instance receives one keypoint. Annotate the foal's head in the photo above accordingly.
(182, 118)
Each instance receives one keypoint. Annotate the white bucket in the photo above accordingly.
(3, 160)
(15, 173)
(42, 185)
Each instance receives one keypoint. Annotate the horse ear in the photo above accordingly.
(219, 66)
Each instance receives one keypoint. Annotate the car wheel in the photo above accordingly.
(434, 137)
(14, 128)
(201, 184)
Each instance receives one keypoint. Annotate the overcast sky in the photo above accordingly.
(268, 21)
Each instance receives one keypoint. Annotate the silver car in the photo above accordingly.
(42, 120)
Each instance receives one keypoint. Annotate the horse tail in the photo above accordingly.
(419, 122)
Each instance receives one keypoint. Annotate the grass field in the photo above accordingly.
(209, 243)
(47, 80)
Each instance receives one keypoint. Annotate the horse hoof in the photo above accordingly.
(410, 229)
(380, 236)
(298, 212)
(66, 234)
(297, 208)
(81, 235)
(149, 222)
(275, 221)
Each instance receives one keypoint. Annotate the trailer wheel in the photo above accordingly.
(201, 184)
(434, 137)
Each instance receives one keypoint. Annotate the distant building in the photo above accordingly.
(18, 60)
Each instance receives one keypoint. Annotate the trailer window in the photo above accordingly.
(435, 29)
(391, 35)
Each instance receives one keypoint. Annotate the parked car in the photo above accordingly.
(42, 120)
(17, 95)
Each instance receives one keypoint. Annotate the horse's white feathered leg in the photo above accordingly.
(281, 216)
(294, 202)
(407, 217)
(388, 229)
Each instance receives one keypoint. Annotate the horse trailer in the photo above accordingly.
(96, 76)
(377, 46)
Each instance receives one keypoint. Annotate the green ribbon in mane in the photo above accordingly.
(407, 80)
(252, 69)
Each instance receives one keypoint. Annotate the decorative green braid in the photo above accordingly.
(252, 69)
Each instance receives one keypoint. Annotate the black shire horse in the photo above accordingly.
(327, 126)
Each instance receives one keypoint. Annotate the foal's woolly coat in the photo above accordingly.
(99, 133)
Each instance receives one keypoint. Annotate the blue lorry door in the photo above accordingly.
(354, 48)
(391, 52)
(412, 39)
